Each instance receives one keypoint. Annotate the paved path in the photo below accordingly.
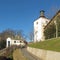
(17, 55)
(29, 55)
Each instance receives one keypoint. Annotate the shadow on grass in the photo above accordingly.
(5, 58)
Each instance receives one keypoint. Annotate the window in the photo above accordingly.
(46, 21)
(14, 41)
(20, 41)
(36, 22)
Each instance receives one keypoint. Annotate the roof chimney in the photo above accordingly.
(42, 13)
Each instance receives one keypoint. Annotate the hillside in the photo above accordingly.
(51, 44)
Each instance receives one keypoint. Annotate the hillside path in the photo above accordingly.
(23, 54)
(17, 55)
(29, 55)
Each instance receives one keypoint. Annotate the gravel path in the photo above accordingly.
(29, 55)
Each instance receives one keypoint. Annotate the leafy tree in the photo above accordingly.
(52, 28)
(50, 31)
(2, 44)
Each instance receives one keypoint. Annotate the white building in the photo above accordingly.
(10, 42)
(39, 25)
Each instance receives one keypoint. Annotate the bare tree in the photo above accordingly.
(14, 34)
(31, 36)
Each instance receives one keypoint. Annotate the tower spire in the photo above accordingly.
(42, 13)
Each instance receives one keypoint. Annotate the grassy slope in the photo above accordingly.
(53, 44)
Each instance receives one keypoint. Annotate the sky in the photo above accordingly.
(20, 14)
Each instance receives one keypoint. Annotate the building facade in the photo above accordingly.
(10, 42)
(39, 25)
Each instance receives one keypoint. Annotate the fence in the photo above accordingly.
(3, 51)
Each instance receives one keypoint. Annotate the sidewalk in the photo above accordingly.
(29, 55)
(17, 55)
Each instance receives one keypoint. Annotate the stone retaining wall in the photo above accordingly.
(44, 54)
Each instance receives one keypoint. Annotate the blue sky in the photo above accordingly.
(20, 14)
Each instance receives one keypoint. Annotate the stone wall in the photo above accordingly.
(44, 54)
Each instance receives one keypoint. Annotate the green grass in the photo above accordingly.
(52, 44)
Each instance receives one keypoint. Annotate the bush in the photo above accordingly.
(2, 44)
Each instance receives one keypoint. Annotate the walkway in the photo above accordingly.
(17, 55)
(29, 55)
(23, 54)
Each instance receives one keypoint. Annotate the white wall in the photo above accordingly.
(8, 39)
(39, 28)
(44, 54)
(17, 42)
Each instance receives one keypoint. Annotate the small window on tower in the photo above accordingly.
(46, 21)
(36, 22)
